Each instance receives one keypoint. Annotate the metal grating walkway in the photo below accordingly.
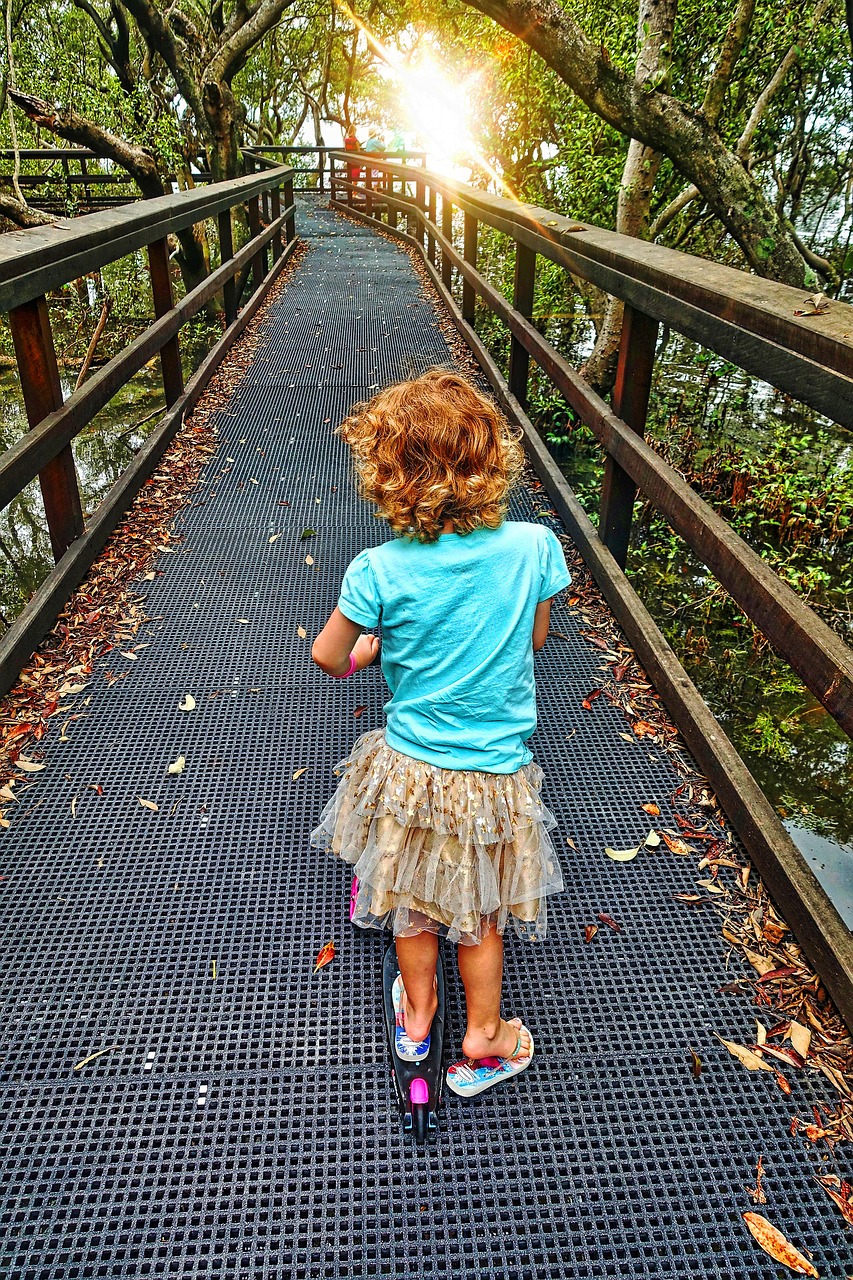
(245, 1125)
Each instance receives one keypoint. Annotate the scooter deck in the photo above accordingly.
(419, 1085)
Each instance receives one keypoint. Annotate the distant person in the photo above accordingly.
(351, 143)
(374, 144)
(441, 812)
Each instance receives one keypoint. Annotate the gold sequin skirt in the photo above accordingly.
(452, 851)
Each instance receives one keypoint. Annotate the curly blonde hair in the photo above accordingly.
(434, 449)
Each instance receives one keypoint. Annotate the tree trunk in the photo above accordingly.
(655, 23)
(663, 123)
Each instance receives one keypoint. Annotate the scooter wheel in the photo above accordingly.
(420, 1122)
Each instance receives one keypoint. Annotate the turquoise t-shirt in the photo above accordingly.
(457, 639)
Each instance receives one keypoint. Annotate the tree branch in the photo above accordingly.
(733, 42)
(156, 33)
(137, 161)
(21, 214)
(231, 54)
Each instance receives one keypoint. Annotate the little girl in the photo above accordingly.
(441, 813)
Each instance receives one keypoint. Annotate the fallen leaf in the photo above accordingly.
(642, 728)
(187, 703)
(244, 621)
(149, 804)
(325, 956)
(74, 806)
(801, 1038)
(676, 845)
(301, 632)
(570, 842)
(590, 698)
(652, 809)
(589, 932)
(759, 963)
(6, 793)
(177, 766)
(309, 559)
(760, 1033)
(626, 737)
(622, 855)
(299, 773)
(252, 480)
(750, 1060)
(307, 533)
(96, 1054)
(841, 1193)
(29, 766)
(129, 654)
(773, 1242)
(609, 921)
(274, 537)
(789, 1056)
(695, 1063)
(756, 1193)
(359, 711)
(652, 840)
(783, 1084)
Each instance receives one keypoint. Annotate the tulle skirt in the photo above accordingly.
(452, 851)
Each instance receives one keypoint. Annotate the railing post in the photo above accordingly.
(368, 192)
(430, 237)
(290, 220)
(447, 232)
(420, 201)
(522, 300)
(161, 289)
(630, 402)
(392, 212)
(253, 213)
(321, 168)
(42, 392)
(226, 251)
(275, 202)
(470, 251)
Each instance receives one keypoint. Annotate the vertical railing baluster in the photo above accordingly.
(42, 392)
(432, 217)
(447, 232)
(522, 300)
(226, 251)
(253, 214)
(275, 203)
(290, 220)
(392, 212)
(630, 403)
(470, 252)
(420, 201)
(368, 192)
(164, 301)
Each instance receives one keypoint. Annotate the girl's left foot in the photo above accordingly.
(472, 1075)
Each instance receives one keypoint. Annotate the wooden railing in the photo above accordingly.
(749, 321)
(36, 261)
(314, 173)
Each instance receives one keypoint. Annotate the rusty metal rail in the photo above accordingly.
(748, 320)
(36, 261)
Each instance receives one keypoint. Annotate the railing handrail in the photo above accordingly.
(745, 318)
(39, 259)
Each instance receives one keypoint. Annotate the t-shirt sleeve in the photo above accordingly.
(552, 564)
(359, 599)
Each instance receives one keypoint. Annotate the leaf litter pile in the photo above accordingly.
(799, 1030)
(105, 613)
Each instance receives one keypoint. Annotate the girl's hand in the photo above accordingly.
(366, 651)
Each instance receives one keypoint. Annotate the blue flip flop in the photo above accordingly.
(404, 1046)
(472, 1075)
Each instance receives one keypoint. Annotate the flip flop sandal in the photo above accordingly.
(472, 1075)
(404, 1046)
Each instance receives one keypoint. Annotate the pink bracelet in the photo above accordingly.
(349, 671)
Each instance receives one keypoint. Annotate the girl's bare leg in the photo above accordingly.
(481, 970)
(418, 956)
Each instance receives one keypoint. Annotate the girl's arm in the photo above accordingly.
(340, 638)
(541, 623)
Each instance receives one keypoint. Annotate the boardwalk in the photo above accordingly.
(244, 1126)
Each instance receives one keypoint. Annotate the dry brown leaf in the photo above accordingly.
(652, 840)
(149, 804)
(841, 1193)
(309, 560)
(589, 932)
(301, 632)
(760, 1033)
(695, 1063)
(800, 1038)
(243, 621)
(760, 963)
(773, 1242)
(177, 766)
(187, 703)
(651, 809)
(299, 773)
(274, 537)
(97, 1054)
(676, 845)
(750, 1060)
(325, 956)
(129, 654)
(642, 728)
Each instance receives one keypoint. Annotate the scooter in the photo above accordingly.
(419, 1085)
